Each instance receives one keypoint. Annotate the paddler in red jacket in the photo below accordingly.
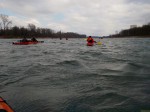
(90, 40)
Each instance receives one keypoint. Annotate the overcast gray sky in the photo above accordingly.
(90, 17)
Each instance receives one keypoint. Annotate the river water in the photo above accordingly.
(68, 76)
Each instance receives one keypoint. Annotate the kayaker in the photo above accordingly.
(33, 39)
(90, 40)
(24, 40)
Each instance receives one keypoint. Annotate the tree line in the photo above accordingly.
(136, 31)
(6, 31)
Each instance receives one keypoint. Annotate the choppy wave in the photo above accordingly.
(68, 76)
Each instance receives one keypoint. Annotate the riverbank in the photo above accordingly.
(147, 36)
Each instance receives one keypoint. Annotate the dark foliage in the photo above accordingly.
(138, 31)
(32, 31)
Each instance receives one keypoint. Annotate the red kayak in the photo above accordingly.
(27, 43)
(4, 107)
(90, 44)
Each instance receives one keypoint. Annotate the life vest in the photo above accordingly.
(90, 40)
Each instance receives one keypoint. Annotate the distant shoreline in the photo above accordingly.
(132, 37)
(6, 37)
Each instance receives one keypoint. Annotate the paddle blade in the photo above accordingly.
(99, 43)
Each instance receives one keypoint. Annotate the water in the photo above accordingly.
(68, 76)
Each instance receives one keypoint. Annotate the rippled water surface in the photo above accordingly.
(68, 76)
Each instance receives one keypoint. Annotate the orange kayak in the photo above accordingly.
(90, 44)
(4, 107)
(27, 43)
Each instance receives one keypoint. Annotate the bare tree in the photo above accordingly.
(5, 22)
(0, 26)
(31, 27)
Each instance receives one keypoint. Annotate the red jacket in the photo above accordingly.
(90, 40)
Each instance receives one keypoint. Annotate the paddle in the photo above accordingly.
(99, 43)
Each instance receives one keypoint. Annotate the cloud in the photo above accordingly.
(138, 1)
(23, 22)
(91, 17)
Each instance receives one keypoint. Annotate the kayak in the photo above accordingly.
(4, 107)
(27, 43)
(90, 44)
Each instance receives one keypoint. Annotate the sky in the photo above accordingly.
(90, 17)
